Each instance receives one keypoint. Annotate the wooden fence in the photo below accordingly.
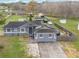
(68, 36)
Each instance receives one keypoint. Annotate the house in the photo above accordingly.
(45, 34)
(36, 29)
(16, 28)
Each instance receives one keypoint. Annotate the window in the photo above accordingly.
(15, 30)
(8, 30)
(22, 30)
(41, 35)
(50, 35)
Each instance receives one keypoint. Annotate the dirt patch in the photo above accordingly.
(1, 33)
(33, 50)
(4, 41)
(69, 49)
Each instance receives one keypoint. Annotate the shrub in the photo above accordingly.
(1, 47)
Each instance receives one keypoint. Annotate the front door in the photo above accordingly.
(30, 31)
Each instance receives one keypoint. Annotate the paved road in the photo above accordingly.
(51, 50)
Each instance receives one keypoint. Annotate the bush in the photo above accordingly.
(1, 47)
(2, 22)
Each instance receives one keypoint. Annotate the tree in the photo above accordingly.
(2, 18)
(65, 9)
(32, 6)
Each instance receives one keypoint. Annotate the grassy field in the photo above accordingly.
(72, 26)
(12, 47)
(15, 18)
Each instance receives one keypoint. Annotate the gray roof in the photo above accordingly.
(38, 22)
(20, 23)
(38, 18)
(45, 31)
(15, 24)
(32, 24)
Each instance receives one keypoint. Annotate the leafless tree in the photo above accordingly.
(32, 6)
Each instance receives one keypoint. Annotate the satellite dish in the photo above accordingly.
(49, 22)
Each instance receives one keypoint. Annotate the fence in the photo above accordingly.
(69, 36)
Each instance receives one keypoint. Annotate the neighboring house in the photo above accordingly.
(37, 29)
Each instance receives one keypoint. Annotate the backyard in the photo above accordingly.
(12, 18)
(16, 18)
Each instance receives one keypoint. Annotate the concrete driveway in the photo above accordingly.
(46, 50)
(51, 50)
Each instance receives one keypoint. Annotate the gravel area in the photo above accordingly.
(1, 33)
(33, 49)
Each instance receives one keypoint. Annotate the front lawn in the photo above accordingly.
(12, 47)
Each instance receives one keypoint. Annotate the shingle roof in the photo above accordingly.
(15, 24)
(20, 23)
(46, 31)
(38, 18)
(38, 22)
(31, 24)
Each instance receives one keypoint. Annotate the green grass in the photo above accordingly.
(13, 49)
(72, 26)
(11, 18)
(14, 18)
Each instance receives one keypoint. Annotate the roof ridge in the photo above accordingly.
(15, 24)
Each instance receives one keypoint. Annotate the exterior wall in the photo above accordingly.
(15, 34)
(45, 37)
(16, 31)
